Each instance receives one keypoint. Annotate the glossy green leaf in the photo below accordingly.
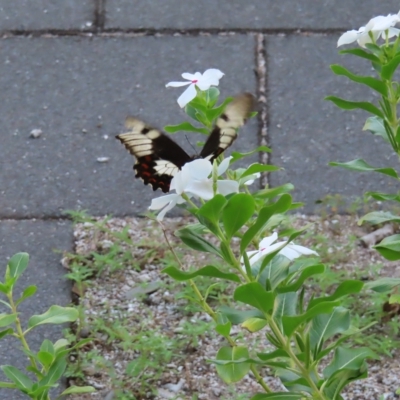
(210, 212)
(6, 332)
(285, 304)
(224, 329)
(18, 263)
(28, 292)
(290, 323)
(384, 196)
(279, 396)
(78, 389)
(185, 127)
(351, 105)
(324, 326)
(232, 372)
(209, 270)
(389, 69)
(279, 207)
(254, 324)
(350, 359)
(345, 288)
(373, 83)
(196, 242)
(54, 315)
(378, 217)
(55, 372)
(389, 247)
(214, 113)
(45, 358)
(361, 165)
(383, 285)
(361, 53)
(270, 193)
(237, 211)
(20, 380)
(239, 316)
(279, 353)
(7, 319)
(211, 96)
(255, 168)
(306, 273)
(376, 126)
(255, 295)
(237, 156)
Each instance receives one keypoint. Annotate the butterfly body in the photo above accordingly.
(159, 158)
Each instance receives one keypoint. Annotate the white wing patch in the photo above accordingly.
(166, 167)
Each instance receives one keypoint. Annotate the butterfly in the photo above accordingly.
(159, 158)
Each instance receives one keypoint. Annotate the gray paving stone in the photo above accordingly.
(40, 239)
(306, 132)
(68, 86)
(236, 14)
(46, 14)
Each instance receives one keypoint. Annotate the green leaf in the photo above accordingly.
(185, 127)
(55, 372)
(376, 126)
(237, 212)
(237, 156)
(350, 359)
(388, 69)
(28, 292)
(361, 53)
(278, 396)
(280, 207)
(214, 113)
(196, 242)
(279, 353)
(350, 286)
(54, 315)
(324, 326)
(239, 316)
(389, 247)
(383, 285)
(7, 319)
(378, 217)
(285, 304)
(211, 96)
(270, 193)
(78, 389)
(210, 212)
(255, 295)
(290, 323)
(361, 165)
(45, 358)
(232, 372)
(17, 264)
(20, 380)
(373, 83)
(209, 270)
(351, 105)
(254, 324)
(6, 332)
(383, 196)
(256, 167)
(305, 274)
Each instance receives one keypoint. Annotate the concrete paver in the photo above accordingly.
(40, 239)
(306, 132)
(20, 15)
(236, 14)
(69, 86)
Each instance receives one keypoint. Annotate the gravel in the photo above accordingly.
(140, 296)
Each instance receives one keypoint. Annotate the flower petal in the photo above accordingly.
(187, 96)
(348, 37)
(199, 169)
(224, 165)
(191, 77)
(227, 186)
(266, 242)
(209, 78)
(201, 188)
(177, 84)
(293, 251)
(160, 202)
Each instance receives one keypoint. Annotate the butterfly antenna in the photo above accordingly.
(194, 149)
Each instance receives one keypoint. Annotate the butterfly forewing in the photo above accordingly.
(158, 157)
(227, 125)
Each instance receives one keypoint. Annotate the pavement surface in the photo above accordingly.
(75, 69)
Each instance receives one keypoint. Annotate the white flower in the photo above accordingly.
(378, 26)
(249, 179)
(193, 180)
(290, 251)
(204, 81)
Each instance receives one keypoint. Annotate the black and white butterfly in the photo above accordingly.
(159, 158)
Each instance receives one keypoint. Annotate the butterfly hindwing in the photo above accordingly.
(158, 158)
(225, 130)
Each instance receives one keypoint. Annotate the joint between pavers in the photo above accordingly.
(99, 14)
(99, 31)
